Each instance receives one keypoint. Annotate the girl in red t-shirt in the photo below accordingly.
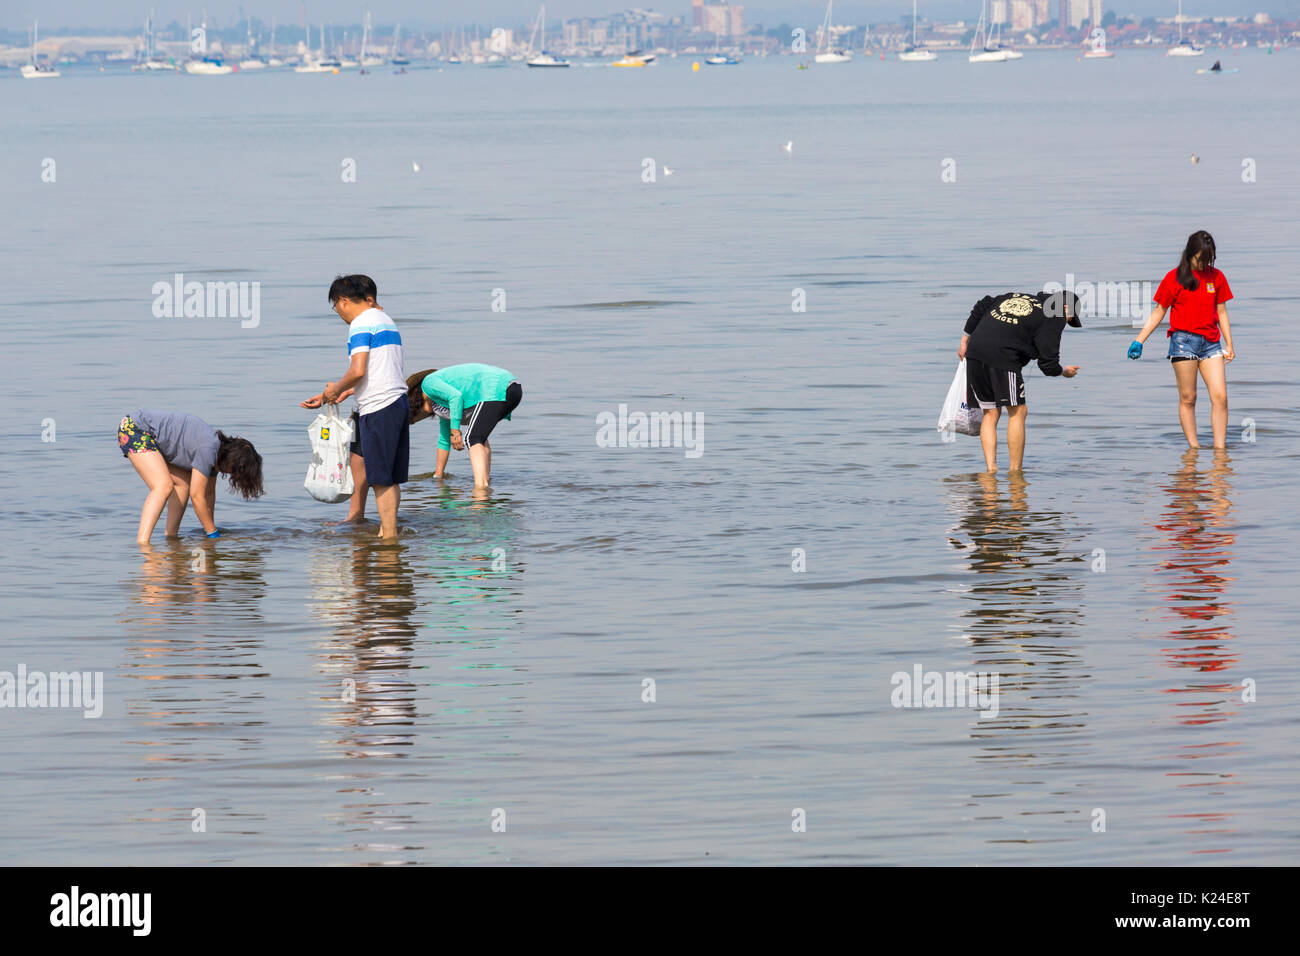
(1199, 336)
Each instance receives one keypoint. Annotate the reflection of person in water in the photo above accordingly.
(372, 600)
(1026, 583)
(1197, 549)
(1021, 616)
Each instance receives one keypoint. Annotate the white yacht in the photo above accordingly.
(915, 53)
(825, 54)
(1184, 47)
(986, 52)
(1097, 46)
(543, 60)
(36, 70)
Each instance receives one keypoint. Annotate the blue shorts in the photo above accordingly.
(386, 443)
(1189, 345)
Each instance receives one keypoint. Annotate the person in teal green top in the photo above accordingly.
(469, 401)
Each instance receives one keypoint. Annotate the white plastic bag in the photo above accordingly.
(329, 477)
(956, 415)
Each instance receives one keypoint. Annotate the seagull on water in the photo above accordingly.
(789, 146)
(415, 167)
(1195, 159)
(669, 172)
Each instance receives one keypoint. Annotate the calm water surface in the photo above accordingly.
(498, 652)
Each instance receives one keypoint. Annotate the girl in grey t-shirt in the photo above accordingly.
(179, 457)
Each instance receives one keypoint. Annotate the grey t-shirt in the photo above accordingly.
(186, 441)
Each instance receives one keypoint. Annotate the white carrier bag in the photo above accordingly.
(329, 477)
(956, 415)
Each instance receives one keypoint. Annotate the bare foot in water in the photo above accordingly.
(350, 519)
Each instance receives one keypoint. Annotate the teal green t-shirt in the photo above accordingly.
(459, 387)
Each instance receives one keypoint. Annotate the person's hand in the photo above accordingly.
(313, 402)
(457, 442)
(330, 395)
(961, 348)
(1229, 353)
(1070, 371)
(1135, 350)
(214, 533)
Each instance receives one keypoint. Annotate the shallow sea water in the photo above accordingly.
(498, 652)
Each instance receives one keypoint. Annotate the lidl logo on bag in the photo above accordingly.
(324, 434)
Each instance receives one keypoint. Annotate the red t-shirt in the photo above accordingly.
(1194, 310)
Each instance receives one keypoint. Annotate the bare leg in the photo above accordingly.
(152, 467)
(1016, 436)
(357, 503)
(1216, 383)
(489, 462)
(178, 501)
(387, 499)
(1185, 375)
(989, 438)
(480, 460)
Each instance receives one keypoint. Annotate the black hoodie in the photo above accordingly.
(1007, 331)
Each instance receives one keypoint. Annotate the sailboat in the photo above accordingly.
(718, 58)
(987, 53)
(316, 64)
(251, 62)
(829, 55)
(543, 59)
(366, 58)
(995, 42)
(35, 70)
(913, 53)
(1097, 46)
(273, 60)
(398, 59)
(206, 65)
(1184, 47)
(150, 61)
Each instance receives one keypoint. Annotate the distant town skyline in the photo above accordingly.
(417, 14)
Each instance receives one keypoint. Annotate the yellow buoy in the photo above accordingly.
(335, 71)
(695, 67)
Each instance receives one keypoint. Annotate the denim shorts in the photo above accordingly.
(1189, 345)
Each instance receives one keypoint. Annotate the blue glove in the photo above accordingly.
(1135, 350)
(215, 534)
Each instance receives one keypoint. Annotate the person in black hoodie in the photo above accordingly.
(1003, 334)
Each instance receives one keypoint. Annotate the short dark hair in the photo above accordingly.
(358, 288)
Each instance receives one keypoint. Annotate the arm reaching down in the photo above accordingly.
(203, 494)
(1047, 342)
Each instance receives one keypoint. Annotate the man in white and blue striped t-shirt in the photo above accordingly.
(375, 369)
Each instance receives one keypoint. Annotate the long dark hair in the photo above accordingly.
(239, 459)
(1198, 244)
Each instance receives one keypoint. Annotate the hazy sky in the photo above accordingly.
(102, 14)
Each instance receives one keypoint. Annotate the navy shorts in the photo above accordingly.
(386, 443)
